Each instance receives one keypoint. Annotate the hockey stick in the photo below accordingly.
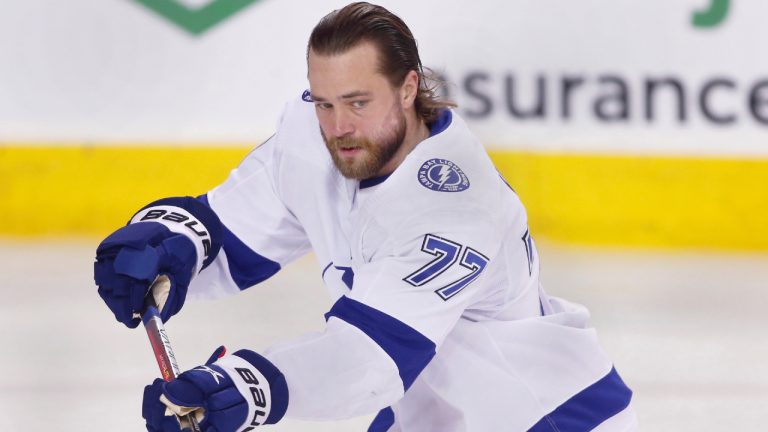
(161, 344)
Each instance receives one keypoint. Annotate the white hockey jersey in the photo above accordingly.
(439, 319)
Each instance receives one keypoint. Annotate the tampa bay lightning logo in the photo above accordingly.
(442, 176)
(306, 96)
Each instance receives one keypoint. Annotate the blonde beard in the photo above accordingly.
(374, 155)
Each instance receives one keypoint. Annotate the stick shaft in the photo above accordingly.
(161, 346)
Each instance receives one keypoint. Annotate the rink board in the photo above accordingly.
(654, 201)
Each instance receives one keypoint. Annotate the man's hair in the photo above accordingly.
(345, 28)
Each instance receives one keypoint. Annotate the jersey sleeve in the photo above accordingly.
(260, 234)
(336, 374)
(381, 335)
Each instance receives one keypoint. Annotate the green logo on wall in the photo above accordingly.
(713, 15)
(196, 20)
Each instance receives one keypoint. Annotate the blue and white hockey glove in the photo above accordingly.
(173, 238)
(232, 394)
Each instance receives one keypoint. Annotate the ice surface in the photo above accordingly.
(687, 331)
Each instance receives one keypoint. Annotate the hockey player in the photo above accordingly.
(439, 321)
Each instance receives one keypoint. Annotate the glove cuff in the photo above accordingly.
(261, 383)
(191, 218)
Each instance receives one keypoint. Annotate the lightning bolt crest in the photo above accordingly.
(444, 174)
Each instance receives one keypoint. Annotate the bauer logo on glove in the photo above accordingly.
(230, 393)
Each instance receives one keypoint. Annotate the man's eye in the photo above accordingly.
(359, 104)
(323, 105)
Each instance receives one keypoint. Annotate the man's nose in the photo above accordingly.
(342, 124)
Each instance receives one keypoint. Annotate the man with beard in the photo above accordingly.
(439, 321)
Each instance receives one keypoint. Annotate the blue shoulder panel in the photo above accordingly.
(588, 408)
(410, 350)
(246, 266)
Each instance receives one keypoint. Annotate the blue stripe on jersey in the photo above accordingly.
(383, 421)
(246, 267)
(347, 275)
(410, 350)
(590, 407)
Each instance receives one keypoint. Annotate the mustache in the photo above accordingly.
(347, 142)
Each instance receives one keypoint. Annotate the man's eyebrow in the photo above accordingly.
(350, 95)
(355, 94)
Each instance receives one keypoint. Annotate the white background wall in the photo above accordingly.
(112, 70)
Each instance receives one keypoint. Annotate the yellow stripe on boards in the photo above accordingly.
(588, 199)
(644, 201)
(94, 190)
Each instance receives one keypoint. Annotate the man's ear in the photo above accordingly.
(409, 89)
